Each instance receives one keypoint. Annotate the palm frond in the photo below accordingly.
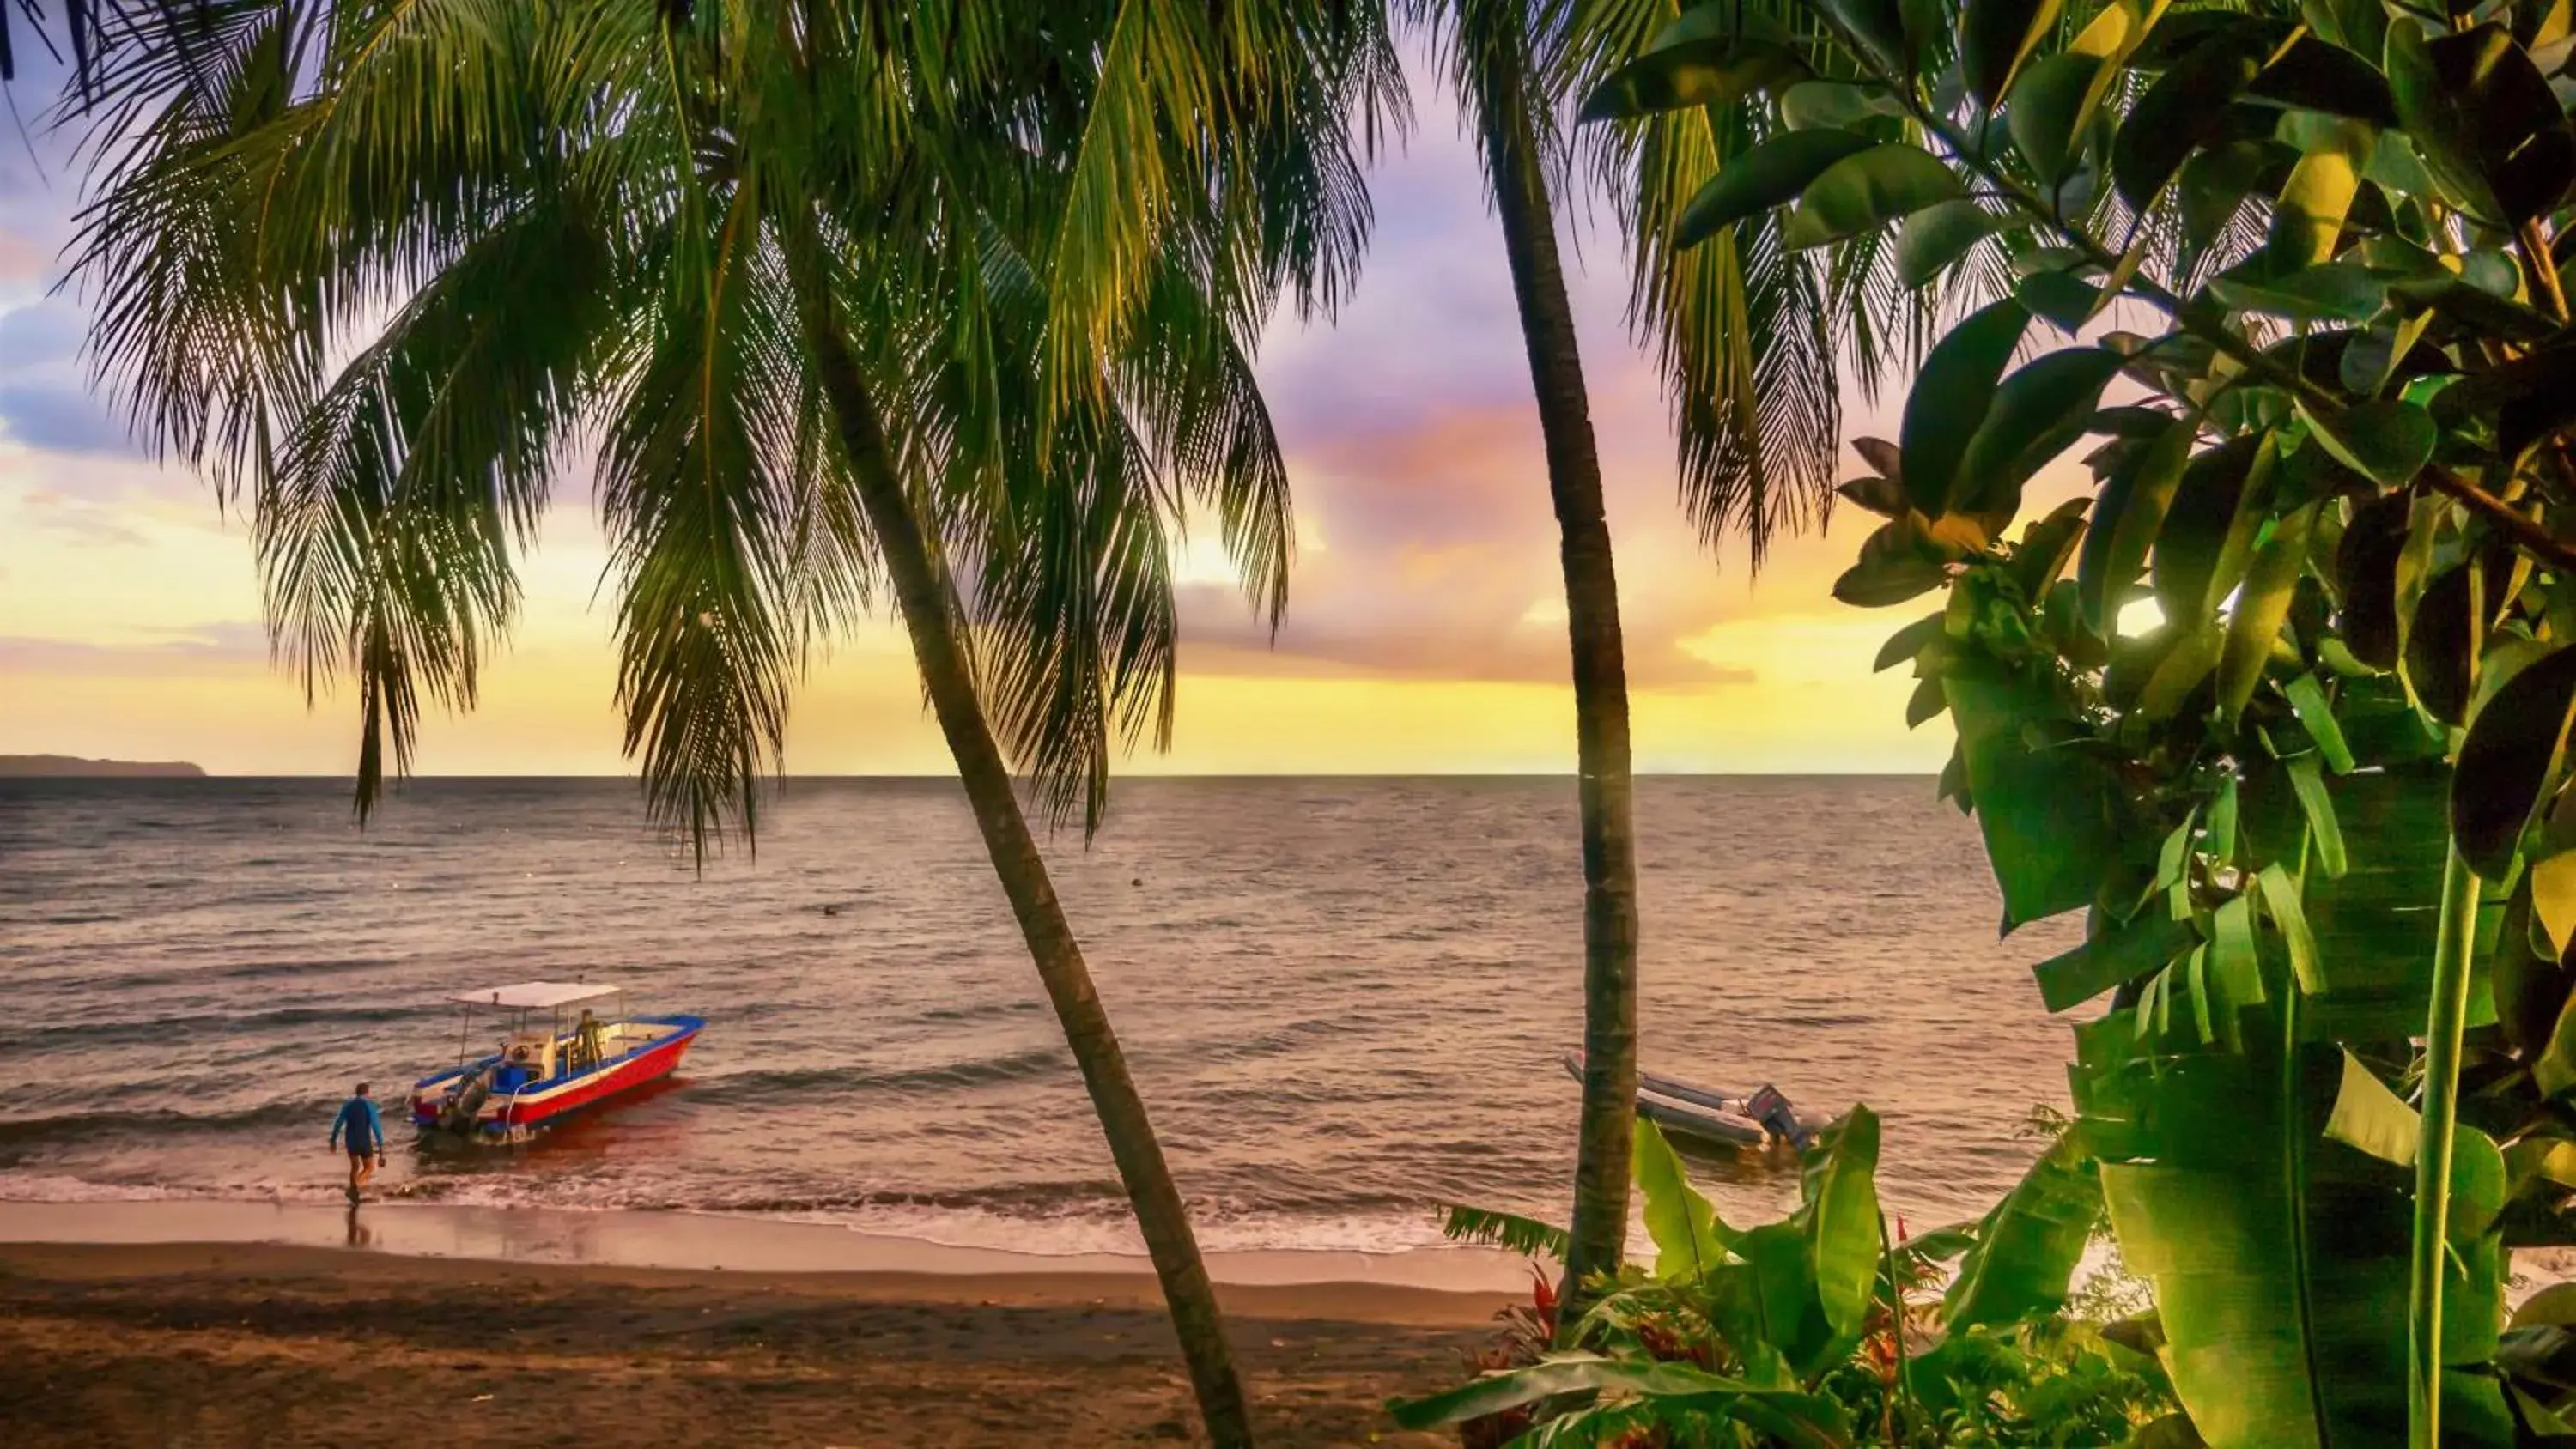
(694, 483)
(386, 528)
(1507, 1231)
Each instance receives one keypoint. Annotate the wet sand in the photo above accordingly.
(218, 1344)
(640, 1239)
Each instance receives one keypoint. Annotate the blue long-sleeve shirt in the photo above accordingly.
(364, 1126)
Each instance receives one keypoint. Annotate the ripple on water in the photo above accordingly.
(1344, 1000)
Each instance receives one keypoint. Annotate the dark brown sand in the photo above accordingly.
(206, 1345)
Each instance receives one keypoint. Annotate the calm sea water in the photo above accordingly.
(1345, 999)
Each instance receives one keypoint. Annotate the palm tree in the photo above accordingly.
(1488, 47)
(954, 301)
(1748, 338)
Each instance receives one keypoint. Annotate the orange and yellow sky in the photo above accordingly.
(1425, 629)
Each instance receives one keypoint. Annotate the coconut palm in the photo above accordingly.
(1748, 337)
(952, 302)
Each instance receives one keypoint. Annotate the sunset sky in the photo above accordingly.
(1425, 629)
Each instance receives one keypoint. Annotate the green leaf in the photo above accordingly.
(1583, 1373)
(2442, 643)
(1847, 1235)
(1950, 398)
(2127, 521)
(2340, 291)
(2037, 414)
(2181, 112)
(2389, 440)
(2366, 573)
(2064, 298)
(1714, 71)
(1878, 25)
(2555, 1304)
(2308, 700)
(2555, 1073)
(2029, 1244)
(2280, 1267)
(2315, 76)
(2122, 953)
(2308, 781)
(2213, 184)
(2046, 547)
(1815, 103)
(2370, 932)
(2553, 898)
(1996, 37)
(2369, 1116)
(2047, 815)
(2222, 821)
(1866, 190)
(2043, 117)
(1770, 174)
(1907, 642)
(2210, 524)
(2193, 654)
(2484, 119)
(2281, 899)
(2262, 607)
(1937, 236)
(1689, 1239)
(2308, 212)
(2531, 397)
(2509, 761)
(1882, 496)
(1896, 563)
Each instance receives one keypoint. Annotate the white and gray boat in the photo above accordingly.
(1707, 1117)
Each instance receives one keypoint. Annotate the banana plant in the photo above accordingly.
(1808, 1330)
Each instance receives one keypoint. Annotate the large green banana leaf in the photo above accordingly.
(2280, 1256)
(2027, 1247)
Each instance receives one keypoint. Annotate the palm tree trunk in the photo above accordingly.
(1600, 1226)
(924, 601)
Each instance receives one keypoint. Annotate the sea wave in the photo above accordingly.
(24, 1132)
(126, 1031)
(1017, 1066)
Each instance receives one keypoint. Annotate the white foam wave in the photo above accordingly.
(1069, 1233)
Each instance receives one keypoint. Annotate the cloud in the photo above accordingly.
(22, 259)
(45, 403)
(218, 647)
(43, 510)
(61, 416)
(38, 334)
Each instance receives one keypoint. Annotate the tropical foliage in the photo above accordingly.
(1822, 1327)
(1749, 336)
(2281, 700)
(947, 305)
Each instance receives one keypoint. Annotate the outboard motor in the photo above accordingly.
(466, 1102)
(1778, 1118)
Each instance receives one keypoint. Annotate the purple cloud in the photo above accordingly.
(61, 415)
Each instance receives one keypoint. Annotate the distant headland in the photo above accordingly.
(73, 767)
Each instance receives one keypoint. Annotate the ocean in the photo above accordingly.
(1346, 1000)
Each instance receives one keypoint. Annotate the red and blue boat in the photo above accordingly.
(556, 1056)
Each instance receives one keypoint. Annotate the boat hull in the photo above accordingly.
(539, 1104)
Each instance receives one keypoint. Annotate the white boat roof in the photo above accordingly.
(537, 994)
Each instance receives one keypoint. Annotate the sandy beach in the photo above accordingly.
(288, 1344)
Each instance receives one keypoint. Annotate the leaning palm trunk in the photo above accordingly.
(1600, 693)
(924, 601)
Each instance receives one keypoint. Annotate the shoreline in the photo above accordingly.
(283, 1346)
(709, 1243)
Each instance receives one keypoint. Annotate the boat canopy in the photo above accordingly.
(537, 995)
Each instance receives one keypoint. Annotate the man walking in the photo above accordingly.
(359, 1122)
